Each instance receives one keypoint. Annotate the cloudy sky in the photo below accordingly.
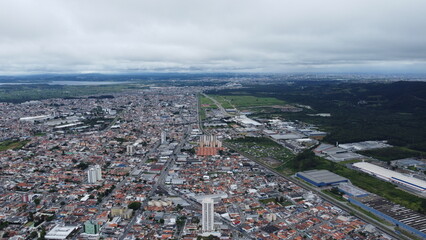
(108, 36)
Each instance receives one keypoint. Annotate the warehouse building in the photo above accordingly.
(405, 218)
(400, 179)
(351, 190)
(321, 178)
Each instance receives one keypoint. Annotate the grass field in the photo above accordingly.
(205, 104)
(206, 101)
(12, 144)
(244, 102)
(22, 93)
(393, 153)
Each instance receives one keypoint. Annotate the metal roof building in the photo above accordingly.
(392, 176)
(321, 178)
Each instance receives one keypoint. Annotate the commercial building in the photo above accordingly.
(245, 121)
(208, 215)
(336, 153)
(321, 178)
(400, 179)
(122, 212)
(60, 232)
(409, 162)
(351, 190)
(400, 216)
(91, 228)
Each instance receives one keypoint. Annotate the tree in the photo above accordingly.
(42, 234)
(179, 207)
(34, 235)
(37, 201)
(134, 205)
(83, 165)
(3, 225)
(305, 160)
(336, 191)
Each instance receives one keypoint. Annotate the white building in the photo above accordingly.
(208, 215)
(409, 182)
(98, 172)
(163, 137)
(130, 149)
(94, 174)
(60, 232)
(210, 141)
(91, 175)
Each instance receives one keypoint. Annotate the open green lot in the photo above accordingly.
(244, 102)
(22, 93)
(12, 144)
(207, 101)
(392, 153)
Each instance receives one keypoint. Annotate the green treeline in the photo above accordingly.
(359, 111)
(23, 93)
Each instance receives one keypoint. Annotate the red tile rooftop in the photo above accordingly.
(208, 151)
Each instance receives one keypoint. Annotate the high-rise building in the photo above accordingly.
(91, 228)
(130, 149)
(208, 215)
(209, 145)
(98, 172)
(91, 175)
(163, 137)
(94, 174)
(210, 141)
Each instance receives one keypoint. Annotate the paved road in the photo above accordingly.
(224, 112)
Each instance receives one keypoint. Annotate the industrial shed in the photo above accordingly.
(406, 181)
(321, 178)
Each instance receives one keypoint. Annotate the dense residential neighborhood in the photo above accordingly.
(140, 165)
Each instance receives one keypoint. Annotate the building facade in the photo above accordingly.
(91, 228)
(94, 174)
(208, 215)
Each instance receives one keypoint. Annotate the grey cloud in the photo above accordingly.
(281, 35)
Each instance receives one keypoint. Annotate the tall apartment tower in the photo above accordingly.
(94, 174)
(91, 175)
(209, 141)
(208, 215)
(130, 149)
(98, 172)
(163, 137)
